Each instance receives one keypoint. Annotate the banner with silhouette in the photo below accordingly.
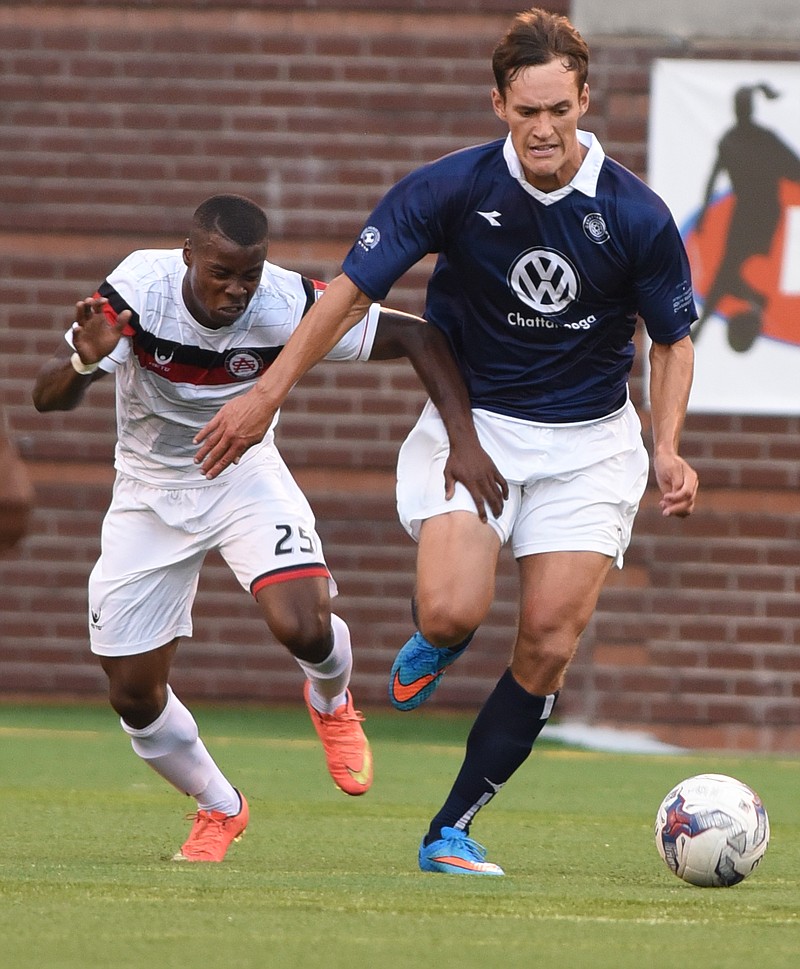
(724, 154)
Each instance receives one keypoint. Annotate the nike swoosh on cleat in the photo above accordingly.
(363, 775)
(407, 691)
(464, 863)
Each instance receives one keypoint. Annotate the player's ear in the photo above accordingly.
(583, 100)
(187, 252)
(499, 104)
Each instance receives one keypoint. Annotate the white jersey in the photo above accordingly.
(173, 374)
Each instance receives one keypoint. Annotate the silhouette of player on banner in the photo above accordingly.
(764, 175)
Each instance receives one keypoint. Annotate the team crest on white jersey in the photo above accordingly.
(595, 228)
(544, 280)
(243, 364)
(369, 238)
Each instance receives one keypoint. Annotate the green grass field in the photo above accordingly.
(323, 880)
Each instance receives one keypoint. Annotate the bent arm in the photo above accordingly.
(338, 310)
(402, 335)
(671, 372)
(244, 421)
(58, 385)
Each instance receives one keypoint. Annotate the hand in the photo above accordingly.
(678, 484)
(236, 426)
(476, 471)
(94, 335)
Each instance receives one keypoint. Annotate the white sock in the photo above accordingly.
(330, 678)
(172, 747)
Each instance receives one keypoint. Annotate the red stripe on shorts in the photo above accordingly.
(285, 575)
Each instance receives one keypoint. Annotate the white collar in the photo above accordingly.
(584, 180)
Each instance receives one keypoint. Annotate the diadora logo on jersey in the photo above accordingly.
(544, 280)
(369, 238)
(243, 364)
(595, 228)
(493, 218)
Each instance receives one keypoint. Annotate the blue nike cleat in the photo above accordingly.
(456, 854)
(417, 669)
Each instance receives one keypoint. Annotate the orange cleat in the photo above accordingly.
(212, 834)
(347, 749)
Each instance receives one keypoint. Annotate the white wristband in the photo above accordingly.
(80, 367)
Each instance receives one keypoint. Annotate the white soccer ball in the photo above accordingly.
(712, 830)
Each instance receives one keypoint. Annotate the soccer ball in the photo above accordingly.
(712, 830)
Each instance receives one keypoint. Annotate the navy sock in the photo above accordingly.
(498, 743)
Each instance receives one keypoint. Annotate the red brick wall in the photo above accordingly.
(116, 120)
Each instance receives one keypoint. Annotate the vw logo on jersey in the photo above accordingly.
(369, 238)
(545, 280)
(243, 364)
(595, 228)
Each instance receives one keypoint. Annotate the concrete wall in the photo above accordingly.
(688, 20)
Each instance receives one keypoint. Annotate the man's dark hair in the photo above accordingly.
(233, 216)
(537, 37)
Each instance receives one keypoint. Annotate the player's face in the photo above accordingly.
(542, 107)
(221, 279)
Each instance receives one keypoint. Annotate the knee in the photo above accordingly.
(137, 684)
(443, 626)
(307, 636)
(550, 659)
(542, 657)
(138, 704)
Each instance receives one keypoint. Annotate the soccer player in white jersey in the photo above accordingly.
(185, 330)
(547, 253)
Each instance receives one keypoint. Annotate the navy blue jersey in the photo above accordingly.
(538, 295)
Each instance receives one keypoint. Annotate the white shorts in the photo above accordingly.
(154, 541)
(572, 488)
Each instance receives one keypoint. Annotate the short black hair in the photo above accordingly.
(234, 216)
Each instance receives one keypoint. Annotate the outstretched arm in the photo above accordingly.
(671, 371)
(59, 386)
(244, 421)
(402, 335)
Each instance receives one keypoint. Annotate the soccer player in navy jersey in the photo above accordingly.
(184, 330)
(548, 251)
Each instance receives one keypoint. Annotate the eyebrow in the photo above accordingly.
(256, 267)
(564, 103)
